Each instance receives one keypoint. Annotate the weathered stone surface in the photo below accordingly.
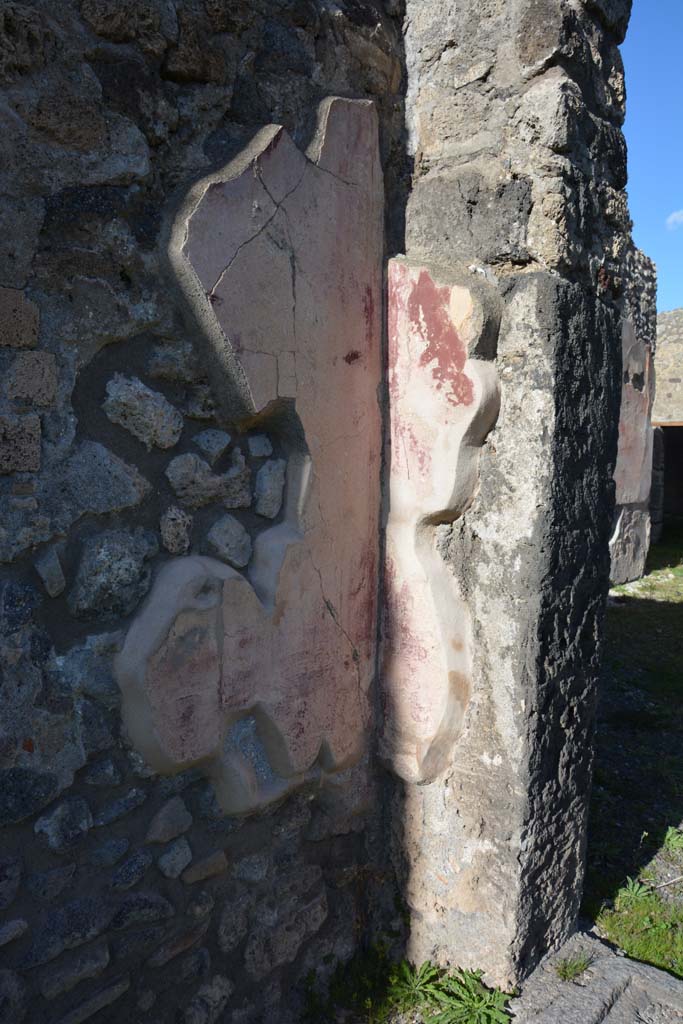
(233, 923)
(212, 443)
(71, 970)
(170, 821)
(65, 826)
(99, 1001)
(274, 942)
(20, 222)
(144, 413)
(443, 402)
(668, 403)
(270, 484)
(175, 363)
(228, 540)
(19, 319)
(23, 792)
(13, 1002)
(33, 378)
(195, 484)
(19, 444)
(176, 528)
(175, 858)
(113, 574)
(132, 870)
(327, 357)
(109, 853)
(49, 568)
(70, 926)
(11, 930)
(141, 908)
(259, 446)
(102, 773)
(120, 807)
(48, 885)
(209, 1003)
(10, 879)
(208, 867)
(181, 942)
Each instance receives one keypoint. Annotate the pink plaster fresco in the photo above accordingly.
(442, 404)
(282, 252)
(633, 471)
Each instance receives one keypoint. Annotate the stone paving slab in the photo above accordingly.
(613, 990)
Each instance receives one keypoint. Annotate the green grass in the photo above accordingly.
(569, 968)
(635, 836)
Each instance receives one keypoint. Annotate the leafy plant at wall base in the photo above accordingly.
(673, 840)
(462, 998)
(633, 892)
(411, 988)
(572, 967)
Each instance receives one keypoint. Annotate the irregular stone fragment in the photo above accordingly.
(212, 444)
(200, 906)
(175, 363)
(138, 943)
(12, 930)
(196, 965)
(169, 822)
(96, 481)
(19, 319)
(270, 484)
(108, 853)
(10, 878)
(94, 1003)
(33, 377)
(23, 792)
(253, 868)
(229, 541)
(144, 413)
(70, 926)
(20, 444)
(141, 908)
(215, 864)
(21, 219)
(86, 963)
(87, 668)
(113, 575)
(178, 944)
(65, 826)
(132, 870)
(209, 1003)
(195, 484)
(175, 858)
(102, 773)
(200, 404)
(176, 526)
(233, 923)
(259, 446)
(274, 943)
(12, 998)
(48, 885)
(93, 727)
(49, 568)
(119, 808)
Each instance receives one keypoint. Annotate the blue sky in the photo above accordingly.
(653, 57)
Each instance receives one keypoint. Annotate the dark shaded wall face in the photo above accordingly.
(125, 893)
(673, 472)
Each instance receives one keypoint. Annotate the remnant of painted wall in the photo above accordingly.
(279, 256)
(668, 405)
(630, 539)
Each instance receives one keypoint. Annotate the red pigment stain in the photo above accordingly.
(369, 314)
(29, 746)
(352, 357)
(444, 352)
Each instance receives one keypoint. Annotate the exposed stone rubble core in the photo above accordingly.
(294, 264)
(443, 400)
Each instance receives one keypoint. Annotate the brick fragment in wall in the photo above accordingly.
(33, 378)
(19, 319)
(20, 444)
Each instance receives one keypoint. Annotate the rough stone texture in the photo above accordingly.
(144, 413)
(175, 527)
(19, 444)
(298, 638)
(212, 443)
(33, 377)
(19, 319)
(613, 990)
(514, 113)
(170, 821)
(270, 483)
(113, 575)
(49, 568)
(633, 472)
(228, 540)
(668, 404)
(196, 485)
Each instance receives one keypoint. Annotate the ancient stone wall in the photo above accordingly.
(514, 112)
(135, 471)
(245, 531)
(668, 407)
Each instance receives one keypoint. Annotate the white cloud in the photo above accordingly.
(675, 220)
